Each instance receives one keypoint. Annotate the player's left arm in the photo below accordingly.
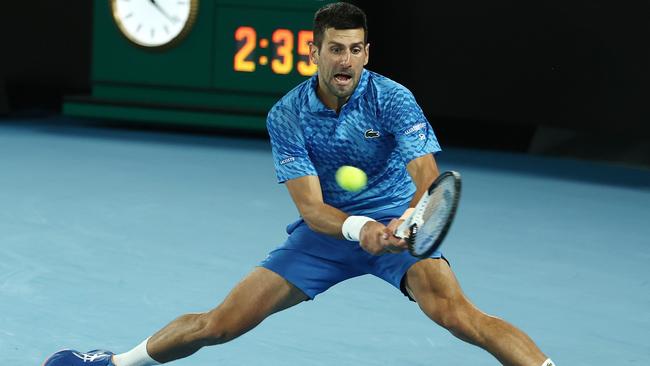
(416, 142)
(423, 171)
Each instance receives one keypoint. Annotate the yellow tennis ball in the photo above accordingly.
(350, 178)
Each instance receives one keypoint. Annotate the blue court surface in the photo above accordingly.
(108, 234)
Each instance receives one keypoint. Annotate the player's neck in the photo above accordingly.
(331, 101)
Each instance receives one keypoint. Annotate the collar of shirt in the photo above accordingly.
(316, 105)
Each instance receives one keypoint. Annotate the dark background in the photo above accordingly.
(553, 77)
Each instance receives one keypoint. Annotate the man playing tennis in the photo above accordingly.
(343, 115)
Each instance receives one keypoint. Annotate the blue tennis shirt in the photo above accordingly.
(379, 130)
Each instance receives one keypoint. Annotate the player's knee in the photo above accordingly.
(451, 315)
(219, 327)
(214, 330)
(441, 313)
(459, 326)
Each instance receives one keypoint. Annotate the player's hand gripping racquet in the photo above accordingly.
(427, 226)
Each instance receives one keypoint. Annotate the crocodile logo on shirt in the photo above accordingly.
(371, 134)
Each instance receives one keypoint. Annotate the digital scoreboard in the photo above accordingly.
(282, 51)
(268, 49)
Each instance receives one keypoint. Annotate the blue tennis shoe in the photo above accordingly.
(69, 357)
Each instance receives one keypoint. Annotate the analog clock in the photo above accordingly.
(155, 24)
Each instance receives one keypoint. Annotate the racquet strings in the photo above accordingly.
(436, 215)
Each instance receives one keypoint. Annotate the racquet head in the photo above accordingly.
(427, 227)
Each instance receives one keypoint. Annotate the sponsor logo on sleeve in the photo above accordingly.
(287, 160)
(415, 128)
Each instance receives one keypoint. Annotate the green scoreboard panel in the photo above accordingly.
(196, 62)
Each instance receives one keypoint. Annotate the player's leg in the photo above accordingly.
(433, 285)
(289, 275)
(257, 296)
(306, 265)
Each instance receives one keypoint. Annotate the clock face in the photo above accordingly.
(154, 23)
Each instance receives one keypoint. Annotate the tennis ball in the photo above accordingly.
(350, 178)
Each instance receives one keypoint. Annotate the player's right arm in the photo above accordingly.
(307, 195)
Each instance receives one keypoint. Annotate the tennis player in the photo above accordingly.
(343, 115)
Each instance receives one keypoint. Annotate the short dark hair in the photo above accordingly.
(338, 16)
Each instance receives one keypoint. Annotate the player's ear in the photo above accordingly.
(365, 62)
(313, 53)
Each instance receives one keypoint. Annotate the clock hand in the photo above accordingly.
(171, 19)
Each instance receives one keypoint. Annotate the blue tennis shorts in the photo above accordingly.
(314, 262)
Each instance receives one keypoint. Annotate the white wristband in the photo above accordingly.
(352, 227)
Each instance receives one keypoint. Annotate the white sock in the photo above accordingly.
(548, 362)
(135, 357)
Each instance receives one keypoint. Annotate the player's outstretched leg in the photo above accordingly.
(433, 285)
(257, 296)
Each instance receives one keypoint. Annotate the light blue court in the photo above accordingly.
(108, 234)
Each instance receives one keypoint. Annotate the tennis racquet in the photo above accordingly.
(427, 226)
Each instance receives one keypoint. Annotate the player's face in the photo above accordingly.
(340, 61)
